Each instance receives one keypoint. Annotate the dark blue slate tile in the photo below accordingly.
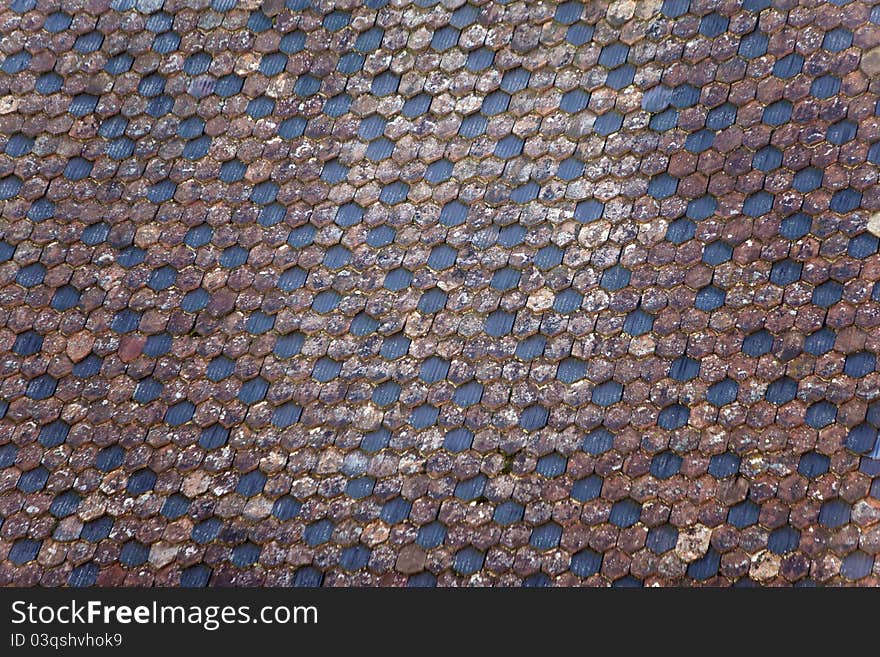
(781, 391)
(134, 553)
(253, 391)
(273, 64)
(699, 141)
(710, 298)
(195, 300)
(783, 540)
(842, 132)
(308, 577)
(196, 576)
(845, 200)
(96, 530)
(862, 438)
(724, 465)
(8, 452)
(30, 275)
(722, 393)
(857, 565)
(245, 554)
(744, 514)
(825, 86)
(110, 458)
(567, 301)
(754, 44)
(706, 567)
(834, 513)
(860, 364)
(424, 416)
(684, 368)
(445, 38)
(570, 370)
(587, 488)
(384, 84)
(638, 322)
(363, 324)
(16, 63)
(471, 489)
(721, 117)
(681, 230)
(41, 387)
(468, 394)
(758, 343)
(568, 12)
(820, 342)
(195, 64)
(813, 464)
(431, 535)
(662, 539)
(418, 105)
(613, 54)
(827, 294)
(618, 79)
(24, 550)
(53, 434)
(286, 415)
(141, 481)
(525, 193)
(598, 441)
(788, 66)
(468, 561)
(546, 536)
(318, 533)
(574, 101)
(175, 506)
(625, 513)
(432, 301)
(49, 83)
(233, 256)
(499, 323)
(551, 465)
(206, 530)
(286, 508)
(589, 211)
(579, 34)
(685, 95)
(863, 246)
(515, 79)
(83, 575)
(714, 24)
(394, 193)
(662, 186)
(717, 253)
(27, 343)
(57, 22)
(508, 513)
(19, 145)
(610, 122)
(292, 128)
(586, 563)
(673, 417)
(664, 121)
(608, 393)
(355, 557)
(665, 464)
(534, 418)
(65, 504)
(326, 369)
(395, 510)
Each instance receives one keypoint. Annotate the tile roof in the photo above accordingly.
(439, 293)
